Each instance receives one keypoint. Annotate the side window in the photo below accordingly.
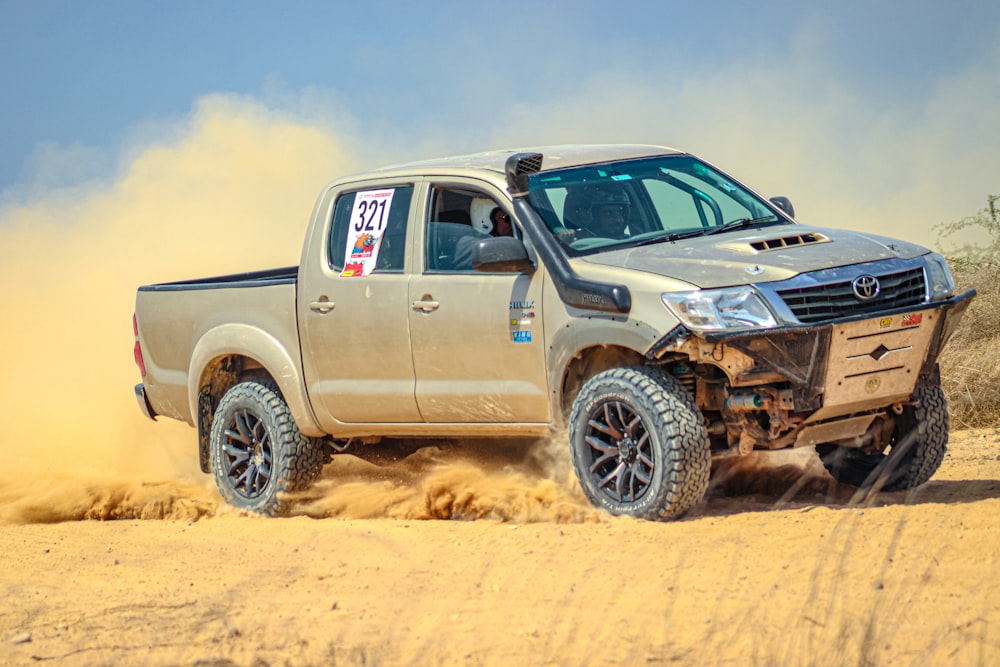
(457, 219)
(375, 222)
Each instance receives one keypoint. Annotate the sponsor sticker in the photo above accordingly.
(885, 323)
(522, 336)
(353, 269)
(913, 319)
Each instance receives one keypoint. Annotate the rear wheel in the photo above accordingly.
(914, 454)
(639, 444)
(258, 452)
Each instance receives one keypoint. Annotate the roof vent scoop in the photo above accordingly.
(518, 167)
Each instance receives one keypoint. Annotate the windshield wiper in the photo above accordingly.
(667, 236)
(740, 224)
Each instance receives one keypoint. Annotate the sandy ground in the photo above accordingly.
(779, 566)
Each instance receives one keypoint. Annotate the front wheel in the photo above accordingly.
(258, 452)
(915, 452)
(639, 444)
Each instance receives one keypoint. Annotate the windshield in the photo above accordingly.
(621, 204)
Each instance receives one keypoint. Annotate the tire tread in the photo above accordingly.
(298, 459)
(684, 453)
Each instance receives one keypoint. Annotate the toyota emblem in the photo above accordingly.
(866, 287)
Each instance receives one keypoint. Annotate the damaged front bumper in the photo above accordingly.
(833, 375)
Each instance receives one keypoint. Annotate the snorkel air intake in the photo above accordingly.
(573, 290)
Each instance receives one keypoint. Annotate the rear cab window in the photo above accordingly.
(368, 234)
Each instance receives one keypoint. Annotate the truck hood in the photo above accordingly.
(763, 255)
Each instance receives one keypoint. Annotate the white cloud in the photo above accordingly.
(846, 158)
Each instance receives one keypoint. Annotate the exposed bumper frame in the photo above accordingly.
(807, 372)
(800, 353)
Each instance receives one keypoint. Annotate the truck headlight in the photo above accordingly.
(721, 309)
(940, 284)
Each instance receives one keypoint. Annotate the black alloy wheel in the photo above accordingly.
(258, 453)
(639, 444)
(621, 456)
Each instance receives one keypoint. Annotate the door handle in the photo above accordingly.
(322, 306)
(426, 305)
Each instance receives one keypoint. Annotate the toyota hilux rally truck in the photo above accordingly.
(657, 309)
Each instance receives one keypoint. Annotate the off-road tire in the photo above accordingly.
(916, 451)
(258, 453)
(639, 444)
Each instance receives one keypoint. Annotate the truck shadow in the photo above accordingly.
(739, 486)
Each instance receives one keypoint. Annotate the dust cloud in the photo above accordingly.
(533, 481)
(227, 189)
(58, 498)
(517, 481)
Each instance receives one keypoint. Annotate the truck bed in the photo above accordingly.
(181, 323)
(287, 274)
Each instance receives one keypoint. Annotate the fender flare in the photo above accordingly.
(253, 343)
(585, 333)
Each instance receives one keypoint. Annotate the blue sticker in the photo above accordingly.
(522, 336)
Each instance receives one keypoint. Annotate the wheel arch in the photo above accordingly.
(233, 353)
(639, 444)
(587, 363)
(587, 344)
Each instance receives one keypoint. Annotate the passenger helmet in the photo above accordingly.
(479, 211)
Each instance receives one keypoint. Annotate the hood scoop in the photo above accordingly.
(789, 241)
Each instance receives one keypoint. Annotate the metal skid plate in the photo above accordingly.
(875, 362)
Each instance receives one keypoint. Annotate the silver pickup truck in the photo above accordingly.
(656, 308)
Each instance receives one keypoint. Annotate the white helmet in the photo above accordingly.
(479, 211)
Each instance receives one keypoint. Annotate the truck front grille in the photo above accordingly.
(830, 301)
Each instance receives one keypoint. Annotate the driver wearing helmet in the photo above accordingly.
(609, 212)
(600, 210)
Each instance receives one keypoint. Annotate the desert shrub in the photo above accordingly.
(983, 227)
(970, 364)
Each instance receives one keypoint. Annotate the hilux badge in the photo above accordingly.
(866, 287)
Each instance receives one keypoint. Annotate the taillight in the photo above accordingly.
(137, 349)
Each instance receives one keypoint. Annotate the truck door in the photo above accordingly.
(353, 309)
(477, 339)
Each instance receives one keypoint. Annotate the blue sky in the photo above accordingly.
(824, 102)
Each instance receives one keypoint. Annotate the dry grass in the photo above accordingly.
(970, 364)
